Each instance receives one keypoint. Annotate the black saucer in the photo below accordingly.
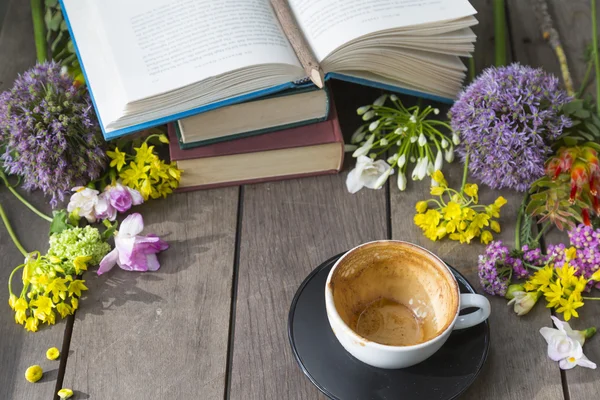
(340, 376)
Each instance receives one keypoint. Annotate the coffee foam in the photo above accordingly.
(394, 272)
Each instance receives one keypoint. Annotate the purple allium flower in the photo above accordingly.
(507, 119)
(50, 133)
(587, 242)
(493, 274)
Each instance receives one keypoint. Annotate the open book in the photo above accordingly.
(148, 62)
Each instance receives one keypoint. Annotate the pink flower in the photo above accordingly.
(133, 252)
(116, 198)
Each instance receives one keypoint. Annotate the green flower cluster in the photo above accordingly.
(72, 243)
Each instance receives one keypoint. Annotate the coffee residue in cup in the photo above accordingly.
(390, 323)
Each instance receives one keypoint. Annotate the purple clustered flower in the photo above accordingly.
(586, 240)
(50, 133)
(507, 119)
(491, 275)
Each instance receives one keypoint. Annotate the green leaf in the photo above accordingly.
(593, 145)
(59, 222)
(571, 141)
(582, 113)
(110, 229)
(54, 23)
(593, 129)
(51, 3)
(573, 106)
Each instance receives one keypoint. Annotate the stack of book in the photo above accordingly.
(241, 82)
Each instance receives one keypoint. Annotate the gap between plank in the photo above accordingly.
(64, 354)
(388, 208)
(234, 290)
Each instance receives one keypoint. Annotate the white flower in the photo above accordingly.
(436, 111)
(455, 138)
(422, 140)
(444, 143)
(565, 346)
(364, 149)
(380, 100)
(420, 169)
(401, 180)
(368, 115)
(524, 301)
(362, 110)
(449, 156)
(405, 128)
(392, 159)
(430, 168)
(413, 138)
(381, 180)
(402, 161)
(398, 131)
(358, 135)
(365, 174)
(439, 161)
(413, 119)
(84, 200)
(394, 97)
(373, 125)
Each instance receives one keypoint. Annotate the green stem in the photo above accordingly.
(586, 79)
(542, 231)
(500, 32)
(519, 219)
(39, 30)
(591, 298)
(11, 232)
(10, 278)
(25, 202)
(465, 173)
(596, 56)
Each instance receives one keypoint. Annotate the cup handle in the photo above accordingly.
(472, 300)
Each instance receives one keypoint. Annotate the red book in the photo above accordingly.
(308, 150)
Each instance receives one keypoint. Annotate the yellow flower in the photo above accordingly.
(580, 285)
(421, 207)
(500, 201)
(165, 189)
(176, 172)
(566, 274)
(570, 253)
(144, 153)
(595, 276)
(452, 211)
(163, 139)
(56, 287)
(438, 177)
(76, 287)
(80, 263)
(52, 353)
(43, 304)
(158, 170)
(541, 279)
(31, 324)
(74, 303)
(451, 226)
(63, 309)
(134, 173)
(12, 299)
(65, 393)
(117, 158)
(468, 213)
(437, 190)
(486, 237)
(34, 373)
(495, 226)
(54, 260)
(472, 189)
(568, 307)
(553, 294)
(481, 220)
(20, 317)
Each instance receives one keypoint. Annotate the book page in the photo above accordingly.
(162, 45)
(329, 24)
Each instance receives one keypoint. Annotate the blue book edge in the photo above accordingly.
(232, 100)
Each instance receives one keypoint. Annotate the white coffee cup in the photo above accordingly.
(393, 304)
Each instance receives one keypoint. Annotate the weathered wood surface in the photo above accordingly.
(20, 349)
(573, 21)
(165, 334)
(288, 229)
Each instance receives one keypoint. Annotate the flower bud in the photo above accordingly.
(398, 131)
(429, 169)
(373, 125)
(439, 161)
(364, 149)
(444, 143)
(455, 139)
(358, 135)
(362, 110)
(380, 100)
(394, 97)
(524, 301)
(513, 288)
(402, 161)
(413, 119)
(449, 156)
(392, 159)
(413, 138)
(384, 142)
(368, 115)
(373, 156)
(398, 143)
(421, 207)
(401, 180)
(347, 149)
(383, 178)
(412, 159)
(422, 140)
(436, 111)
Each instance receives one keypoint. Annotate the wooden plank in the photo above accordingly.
(163, 334)
(288, 229)
(20, 349)
(573, 22)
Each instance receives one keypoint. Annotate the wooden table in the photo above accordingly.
(211, 323)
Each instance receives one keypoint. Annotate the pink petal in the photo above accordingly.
(126, 247)
(132, 225)
(135, 196)
(108, 262)
(152, 262)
